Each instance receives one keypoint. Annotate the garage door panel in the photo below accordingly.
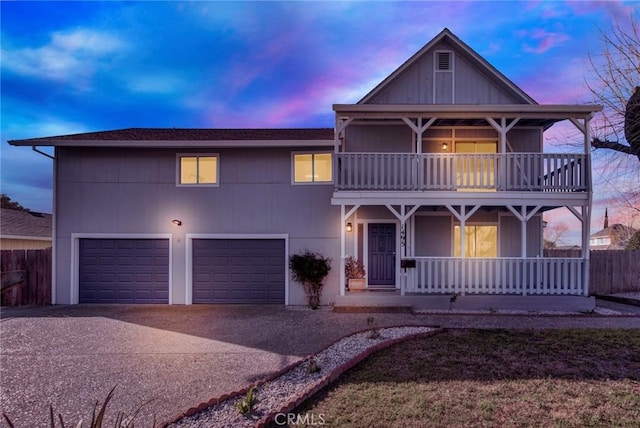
(238, 270)
(124, 271)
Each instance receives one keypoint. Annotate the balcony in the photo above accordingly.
(480, 172)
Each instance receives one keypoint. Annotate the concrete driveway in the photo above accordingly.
(180, 356)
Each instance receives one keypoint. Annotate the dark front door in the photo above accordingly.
(382, 254)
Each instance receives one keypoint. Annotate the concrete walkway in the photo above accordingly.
(179, 356)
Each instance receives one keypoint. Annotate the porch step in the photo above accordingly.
(373, 308)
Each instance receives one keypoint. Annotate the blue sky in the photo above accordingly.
(70, 67)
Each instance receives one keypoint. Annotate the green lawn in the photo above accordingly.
(489, 378)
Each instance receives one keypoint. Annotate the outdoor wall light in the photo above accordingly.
(445, 146)
(176, 222)
(349, 227)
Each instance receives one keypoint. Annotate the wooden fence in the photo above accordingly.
(26, 277)
(611, 271)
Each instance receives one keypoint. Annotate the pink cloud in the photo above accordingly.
(543, 40)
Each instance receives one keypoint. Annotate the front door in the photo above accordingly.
(382, 255)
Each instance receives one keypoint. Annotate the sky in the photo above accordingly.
(73, 67)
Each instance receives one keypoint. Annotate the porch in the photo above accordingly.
(395, 302)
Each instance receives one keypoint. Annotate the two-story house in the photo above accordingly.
(436, 180)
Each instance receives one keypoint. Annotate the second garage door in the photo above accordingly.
(238, 271)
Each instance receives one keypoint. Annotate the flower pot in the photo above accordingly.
(357, 284)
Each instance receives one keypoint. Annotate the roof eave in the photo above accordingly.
(471, 110)
(172, 143)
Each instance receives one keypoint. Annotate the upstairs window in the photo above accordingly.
(476, 173)
(312, 168)
(198, 170)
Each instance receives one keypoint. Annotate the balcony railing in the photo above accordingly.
(542, 172)
(522, 276)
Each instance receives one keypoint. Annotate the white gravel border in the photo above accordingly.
(295, 383)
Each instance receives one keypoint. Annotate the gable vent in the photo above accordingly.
(443, 61)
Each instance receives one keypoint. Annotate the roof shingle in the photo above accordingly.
(25, 223)
(192, 134)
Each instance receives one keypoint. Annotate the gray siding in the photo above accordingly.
(471, 84)
(133, 191)
(510, 236)
(433, 236)
(376, 138)
(525, 140)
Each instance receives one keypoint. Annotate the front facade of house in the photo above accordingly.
(436, 180)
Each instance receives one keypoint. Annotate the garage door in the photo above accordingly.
(238, 270)
(124, 271)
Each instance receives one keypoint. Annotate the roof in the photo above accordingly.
(24, 224)
(468, 52)
(174, 137)
(614, 230)
(472, 114)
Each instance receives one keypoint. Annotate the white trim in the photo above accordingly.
(74, 291)
(27, 238)
(451, 71)
(189, 237)
(472, 111)
(181, 155)
(54, 231)
(313, 182)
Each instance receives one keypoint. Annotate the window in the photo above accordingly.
(198, 170)
(312, 168)
(476, 173)
(479, 241)
(600, 241)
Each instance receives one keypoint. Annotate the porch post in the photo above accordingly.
(342, 250)
(523, 232)
(586, 252)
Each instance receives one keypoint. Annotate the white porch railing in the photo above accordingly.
(543, 172)
(523, 276)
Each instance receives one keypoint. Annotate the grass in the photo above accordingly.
(497, 378)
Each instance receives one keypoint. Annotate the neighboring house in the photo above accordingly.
(436, 179)
(24, 230)
(614, 237)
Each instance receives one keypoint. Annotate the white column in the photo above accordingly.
(342, 250)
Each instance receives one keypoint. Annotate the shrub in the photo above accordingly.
(122, 419)
(354, 268)
(634, 242)
(310, 269)
(247, 404)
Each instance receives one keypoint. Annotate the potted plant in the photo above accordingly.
(310, 269)
(355, 273)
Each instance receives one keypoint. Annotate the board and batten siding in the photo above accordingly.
(525, 140)
(133, 191)
(416, 84)
(379, 139)
(509, 234)
(433, 236)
